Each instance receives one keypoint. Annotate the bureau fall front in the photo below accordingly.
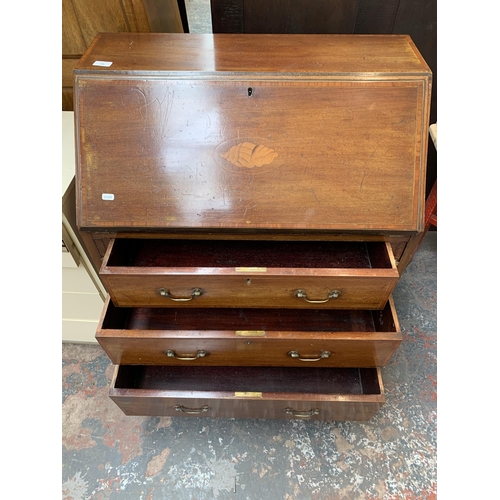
(250, 202)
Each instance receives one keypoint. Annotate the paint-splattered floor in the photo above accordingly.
(107, 455)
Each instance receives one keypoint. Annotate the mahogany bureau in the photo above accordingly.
(250, 202)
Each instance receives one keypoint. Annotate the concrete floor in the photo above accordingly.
(107, 455)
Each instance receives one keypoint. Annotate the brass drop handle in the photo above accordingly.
(192, 411)
(197, 292)
(199, 354)
(301, 413)
(323, 355)
(300, 294)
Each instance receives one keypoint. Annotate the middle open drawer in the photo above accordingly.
(251, 337)
(239, 273)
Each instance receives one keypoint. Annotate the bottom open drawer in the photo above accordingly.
(248, 392)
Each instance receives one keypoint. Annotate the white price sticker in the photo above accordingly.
(105, 64)
(108, 196)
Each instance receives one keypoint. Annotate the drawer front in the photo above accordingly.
(250, 290)
(159, 273)
(357, 409)
(355, 396)
(249, 337)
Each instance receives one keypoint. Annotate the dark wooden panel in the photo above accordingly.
(376, 16)
(227, 16)
(283, 16)
(299, 16)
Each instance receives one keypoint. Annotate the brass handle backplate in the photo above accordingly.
(192, 411)
(199, 354)
(302, 413)
(300, 294)
(323, 355)
(197, 292)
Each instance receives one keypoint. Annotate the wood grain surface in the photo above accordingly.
(246, 392)
(314, 137)
(247, 199)
(252, 337)
(249, 273)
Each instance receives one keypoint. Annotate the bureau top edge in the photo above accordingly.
(312, 55)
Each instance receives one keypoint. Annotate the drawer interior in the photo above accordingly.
(238, 253)
(314, 320)
(249, 379)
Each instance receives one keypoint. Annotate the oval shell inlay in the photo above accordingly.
(250, 155)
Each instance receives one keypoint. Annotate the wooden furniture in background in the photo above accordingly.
(246, 200)
(83, 19)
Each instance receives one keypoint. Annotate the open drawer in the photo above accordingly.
(239, 273)
(252, 337)
(248, 392)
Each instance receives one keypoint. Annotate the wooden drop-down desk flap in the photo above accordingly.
(250, 202)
